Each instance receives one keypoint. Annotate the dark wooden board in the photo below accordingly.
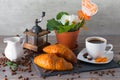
(85, 67)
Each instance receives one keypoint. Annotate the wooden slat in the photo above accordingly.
(30, 33)
(31, 47)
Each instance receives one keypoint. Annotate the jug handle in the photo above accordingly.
(22, 40)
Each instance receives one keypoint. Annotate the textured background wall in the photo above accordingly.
(16, 15)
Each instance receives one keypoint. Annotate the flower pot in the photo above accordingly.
(69, 39)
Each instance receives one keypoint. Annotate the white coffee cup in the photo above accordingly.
(96, 46)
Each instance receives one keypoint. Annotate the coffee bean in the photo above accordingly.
(20, 77)
(43, 77)
(90, 58)
(25, 79)
(78, 76)
(29, 71)
(95, 72)
(112, 71)
(32, 74)
(85, 55)
(91, 72)
(107, 73)
(3, 70)
(17, 35)
(13, 73)
(119, 53)
(5, 75)
(113, 74)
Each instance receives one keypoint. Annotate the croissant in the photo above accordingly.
(61, 51)
(52, 62)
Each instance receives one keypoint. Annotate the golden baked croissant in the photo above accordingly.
(52, 62)
(61, 51)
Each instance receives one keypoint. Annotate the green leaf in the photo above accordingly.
(8, 63)
(60, 30)
(52, 24)
(12, 65)
(65, 28)
(82, 23)
(67, 23)
(78, 25)
(60, 14)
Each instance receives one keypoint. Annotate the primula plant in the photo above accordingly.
(64, 22)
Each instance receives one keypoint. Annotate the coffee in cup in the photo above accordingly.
(96, 46)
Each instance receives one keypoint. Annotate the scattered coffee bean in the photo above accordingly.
(112, 74)
(29, 71)
(107, 73)
(91, 72)
(100, 74)
(18, 35)
(43, 77)
(20, 77)
(78, 76)
(25, 79)
(90, 58)
(5, 75)
(119, 53)
(3, 70)
(32, 74)
(95, 72)
(113, 71)
(85, 55)
(13, 73)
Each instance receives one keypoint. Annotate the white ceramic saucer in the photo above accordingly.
(108, 55)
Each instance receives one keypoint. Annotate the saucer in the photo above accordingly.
(108, 55)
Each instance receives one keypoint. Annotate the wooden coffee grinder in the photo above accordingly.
(36, 38)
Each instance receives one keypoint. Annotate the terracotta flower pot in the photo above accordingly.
(68, 39)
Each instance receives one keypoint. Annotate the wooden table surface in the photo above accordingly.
(113, 39)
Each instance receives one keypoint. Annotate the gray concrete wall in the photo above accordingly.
(16, 15)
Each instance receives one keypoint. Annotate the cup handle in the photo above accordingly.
(111, 47)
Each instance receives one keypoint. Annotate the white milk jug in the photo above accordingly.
(14, 48)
